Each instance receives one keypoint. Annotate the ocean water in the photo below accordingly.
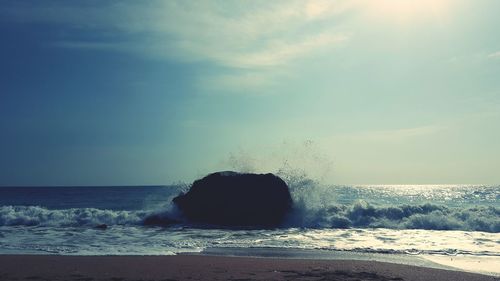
(439, 220)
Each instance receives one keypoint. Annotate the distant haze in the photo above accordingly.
(155, 92)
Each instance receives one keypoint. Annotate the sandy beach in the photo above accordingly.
(203, 267)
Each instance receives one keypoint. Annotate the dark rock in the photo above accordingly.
(234, 199)
(101, 226)
(159, 220)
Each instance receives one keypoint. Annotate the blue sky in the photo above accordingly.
(154, 92)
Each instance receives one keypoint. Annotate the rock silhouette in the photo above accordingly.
(236, 199)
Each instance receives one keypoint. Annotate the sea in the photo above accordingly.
(439, 222)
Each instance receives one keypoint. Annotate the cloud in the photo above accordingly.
(495, 55)
(239, 80)
(403, 133)
(392, 135)
(317, 9)
(253, 35)
(85, 45)
(243, 34)
(280, 52)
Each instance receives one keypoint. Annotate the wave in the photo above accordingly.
(424, 216)
(358, 215)
(39, 216)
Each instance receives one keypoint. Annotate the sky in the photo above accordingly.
(158, 92)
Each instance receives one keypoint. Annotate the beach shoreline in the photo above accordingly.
(214, 267)
(487, 265)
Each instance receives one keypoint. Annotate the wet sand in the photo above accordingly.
(205, 267)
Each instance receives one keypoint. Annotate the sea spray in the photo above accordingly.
(288, 159)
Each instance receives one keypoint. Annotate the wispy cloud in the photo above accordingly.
(403, 133)
(239, 80)
(495, 55)
(85, 45)
(281, 52)
(253, 35)
(393, 135)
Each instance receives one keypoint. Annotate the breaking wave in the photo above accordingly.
(39, 216)
(424, 216)
(358, 215)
